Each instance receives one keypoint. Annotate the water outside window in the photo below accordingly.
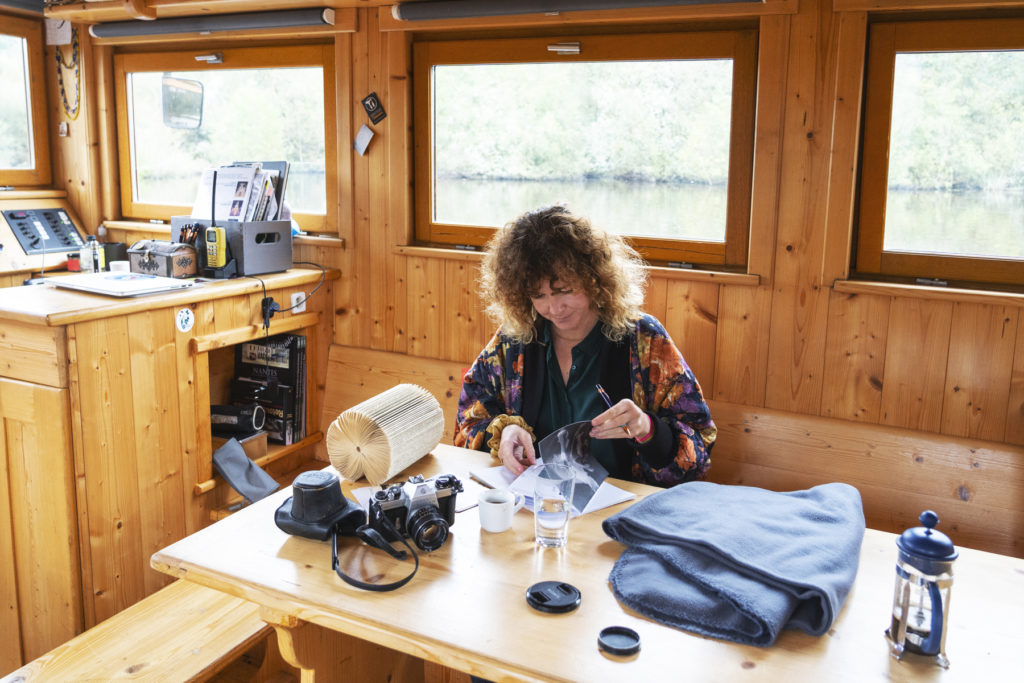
(641, 147)
(248, 115)
(15, 123)
(956, 159)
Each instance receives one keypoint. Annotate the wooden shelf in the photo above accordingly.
(274, 452)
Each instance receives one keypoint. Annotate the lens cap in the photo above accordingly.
(619, 640)
(556, 597)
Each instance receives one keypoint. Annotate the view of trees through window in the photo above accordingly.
(15, 130)
(248, 115)
(640, 147)
(956, 156)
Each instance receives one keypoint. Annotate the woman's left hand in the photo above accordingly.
(624, 420)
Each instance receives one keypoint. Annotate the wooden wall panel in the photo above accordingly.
(692, 321)
(772, 54)
(915, 363)
(467, 327)
(981, 348)
(1015, 408)
(425, 327)
(800, 303)
(354, 375)
(855, 356)
(976, 487)
(741, 353)
(656, 299)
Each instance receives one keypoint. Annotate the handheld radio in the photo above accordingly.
(216, 249)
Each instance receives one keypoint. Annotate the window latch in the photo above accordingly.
(565, 48)
(212, 58)
(931, 282)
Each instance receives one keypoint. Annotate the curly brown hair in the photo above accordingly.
(550, 244)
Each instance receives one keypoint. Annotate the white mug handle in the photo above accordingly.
(520, 499)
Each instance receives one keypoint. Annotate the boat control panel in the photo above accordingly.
(36, 235)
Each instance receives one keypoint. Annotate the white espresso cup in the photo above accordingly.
(497, 507)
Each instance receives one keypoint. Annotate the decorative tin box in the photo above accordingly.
(160, 257)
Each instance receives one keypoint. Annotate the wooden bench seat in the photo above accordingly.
(976, 487)
(183, 632)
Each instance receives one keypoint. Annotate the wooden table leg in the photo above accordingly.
(321, 654)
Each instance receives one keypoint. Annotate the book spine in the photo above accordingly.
(300, 387)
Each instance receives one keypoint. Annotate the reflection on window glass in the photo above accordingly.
(15, 123)
(956, 159)
(643, 146)
(247, 115)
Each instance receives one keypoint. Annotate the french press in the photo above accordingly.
(920, 604)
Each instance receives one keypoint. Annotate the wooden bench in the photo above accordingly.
(183, 632)
(976, 487)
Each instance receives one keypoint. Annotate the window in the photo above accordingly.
(942, 179)
(24, 147)
(650, 136)
(178, 115)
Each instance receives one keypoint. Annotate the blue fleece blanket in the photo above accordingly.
(737, 562)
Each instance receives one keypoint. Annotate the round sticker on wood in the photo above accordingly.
(184, 319)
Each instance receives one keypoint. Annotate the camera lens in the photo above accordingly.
(427, 528)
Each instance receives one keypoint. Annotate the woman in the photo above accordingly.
(568, 299)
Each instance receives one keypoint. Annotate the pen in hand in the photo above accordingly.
(608, 402)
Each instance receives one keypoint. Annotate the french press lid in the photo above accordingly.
(927, 543)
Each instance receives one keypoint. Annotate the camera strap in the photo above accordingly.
(373, 537)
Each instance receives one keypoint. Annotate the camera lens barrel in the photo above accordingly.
(427, 528)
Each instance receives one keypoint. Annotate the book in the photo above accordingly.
(281, 180)
(276, 362)
(278, 402)
(230, 199)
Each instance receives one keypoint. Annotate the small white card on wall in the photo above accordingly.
(363, 138)
(58, 32)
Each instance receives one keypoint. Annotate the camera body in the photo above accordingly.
(420, 509)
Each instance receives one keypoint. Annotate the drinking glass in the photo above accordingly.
(552, 504)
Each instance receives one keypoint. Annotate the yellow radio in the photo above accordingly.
(216, 248)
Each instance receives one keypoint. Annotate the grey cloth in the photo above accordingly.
(737, 562)
(243, 474)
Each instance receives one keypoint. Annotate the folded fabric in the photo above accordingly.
(737, 562)
(241, 473)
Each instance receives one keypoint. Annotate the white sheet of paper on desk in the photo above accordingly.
(501, 477)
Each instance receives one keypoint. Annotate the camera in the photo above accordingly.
(420, 509)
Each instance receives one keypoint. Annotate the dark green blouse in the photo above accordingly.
(563, 403)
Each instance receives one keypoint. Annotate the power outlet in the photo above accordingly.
(298, 302)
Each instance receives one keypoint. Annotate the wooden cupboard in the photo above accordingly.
(105, 438)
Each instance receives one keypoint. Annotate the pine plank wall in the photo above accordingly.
(798, 339)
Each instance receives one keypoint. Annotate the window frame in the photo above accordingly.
(40, 174)
(313, 55)
(739, 44)
(885, 40)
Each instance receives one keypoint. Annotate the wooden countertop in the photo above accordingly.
(52, 306)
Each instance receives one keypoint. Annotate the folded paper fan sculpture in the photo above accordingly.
(384, 434)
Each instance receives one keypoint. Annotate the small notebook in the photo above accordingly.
(120, 284)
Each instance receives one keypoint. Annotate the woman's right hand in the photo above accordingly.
(516, 449)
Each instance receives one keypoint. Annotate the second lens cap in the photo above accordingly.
(619, 640)
(556, 597)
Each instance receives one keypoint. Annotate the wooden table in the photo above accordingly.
(466, 608)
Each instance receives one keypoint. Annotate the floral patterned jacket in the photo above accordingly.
(508, 378)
